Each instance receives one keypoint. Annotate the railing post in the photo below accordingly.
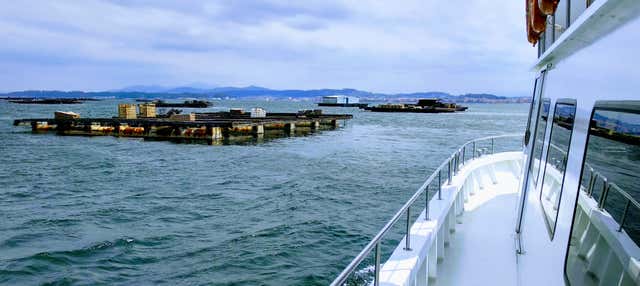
(605, 193)
(463, 151)
(474, 150)
(624, 215)
(407, 240)
(592, 179)
(426, 207)
(439, 184)
(455, 163)
(449, 176)
(376, 278)
(491, 145)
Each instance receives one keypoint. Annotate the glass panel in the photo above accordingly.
(549, 32)
(561, 18)
(533, 110)
(577, 7)
(613, 153)
(543, 47)
(556, 162)
(539, 140)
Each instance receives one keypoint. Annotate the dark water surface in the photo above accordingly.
(290, 211)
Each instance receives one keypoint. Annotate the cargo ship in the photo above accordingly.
(429, 105)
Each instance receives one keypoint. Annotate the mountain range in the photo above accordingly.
(256, 92)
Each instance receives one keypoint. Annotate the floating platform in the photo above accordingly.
(415, 109)
(210, 127)
(30, 100)
(427, 105)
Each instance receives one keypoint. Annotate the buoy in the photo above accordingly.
(532, 36)
(538, 20)
(548, 7)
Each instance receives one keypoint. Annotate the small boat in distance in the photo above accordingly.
(341, 101)
(428, 105)
(185, 104)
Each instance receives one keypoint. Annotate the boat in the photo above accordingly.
(429, 105)
(557, 204)
(341, 101)
(65, 115)
(185, 104)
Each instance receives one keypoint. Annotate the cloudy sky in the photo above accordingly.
(456, 46)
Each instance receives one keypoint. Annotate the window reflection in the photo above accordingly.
(556, 162)
(539, 139)
(610, 174)
(533, 110)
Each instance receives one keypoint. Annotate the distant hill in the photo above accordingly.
(257, 92)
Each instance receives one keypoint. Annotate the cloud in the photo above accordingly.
(456, 46)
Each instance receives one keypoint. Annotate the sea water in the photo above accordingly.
(288, 211)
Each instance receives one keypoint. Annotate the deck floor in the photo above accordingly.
(482, 251)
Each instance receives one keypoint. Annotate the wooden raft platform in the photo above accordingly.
(212, 127)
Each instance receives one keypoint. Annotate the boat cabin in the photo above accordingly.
(557, 205)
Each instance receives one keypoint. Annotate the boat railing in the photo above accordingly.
(441, 176)
(605, 191)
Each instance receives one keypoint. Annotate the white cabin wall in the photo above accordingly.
(605, 70)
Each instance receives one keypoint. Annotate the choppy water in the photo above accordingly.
(291, 211)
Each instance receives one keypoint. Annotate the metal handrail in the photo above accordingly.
(606, 188)
(451, 165)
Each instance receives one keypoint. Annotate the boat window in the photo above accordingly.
(610, 175)
(561, 18)
(539, 140)
(556, 162)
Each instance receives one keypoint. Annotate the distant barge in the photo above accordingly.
(341, 101)
(212, 127)
(185, 104)
(423, 106)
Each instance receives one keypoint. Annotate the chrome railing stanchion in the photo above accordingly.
(376, 279)
(624, 215)
(463, 151)
(407, 240)
(473, 156)
(449, 176)
(592, 179)
(439, 184)
(605, 193)
(426, 205)
(491, 145)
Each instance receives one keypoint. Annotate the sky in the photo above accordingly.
(455, 46)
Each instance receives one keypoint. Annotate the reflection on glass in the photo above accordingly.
(532, 109)
(613, 153)
(539, 140)
(556, 162)
(561, 18)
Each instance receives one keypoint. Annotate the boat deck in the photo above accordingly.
(482, 251)
(469, 238)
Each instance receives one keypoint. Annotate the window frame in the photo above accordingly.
(551, 229)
